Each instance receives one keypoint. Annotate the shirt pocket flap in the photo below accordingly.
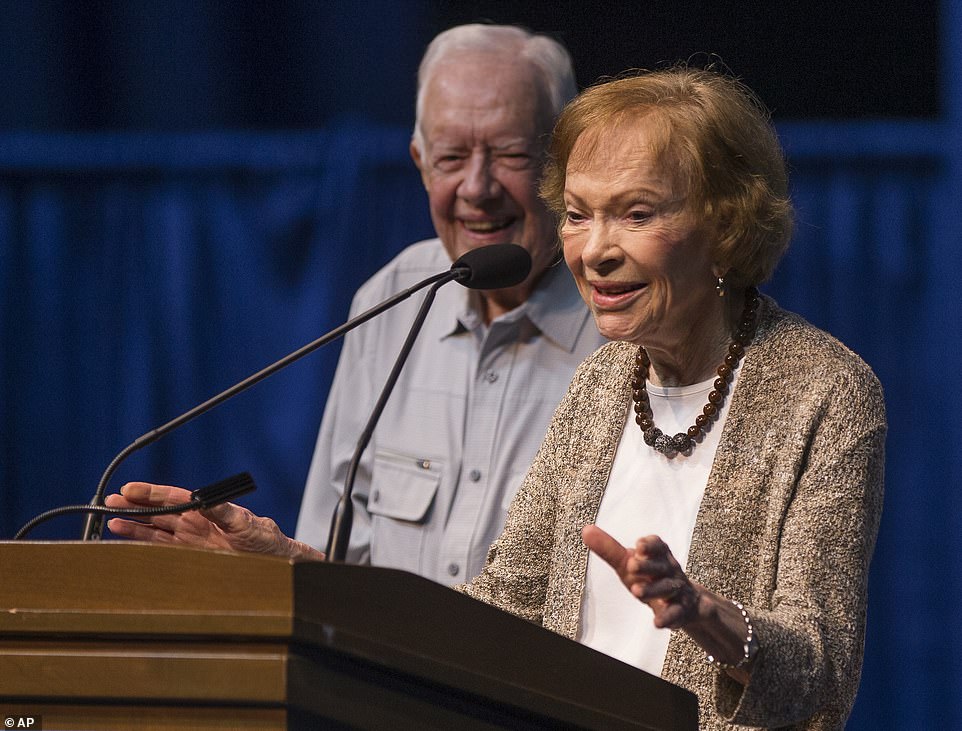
(403, 487)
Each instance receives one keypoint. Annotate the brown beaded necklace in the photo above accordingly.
(682, 442)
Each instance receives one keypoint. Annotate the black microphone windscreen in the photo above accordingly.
(493, 267)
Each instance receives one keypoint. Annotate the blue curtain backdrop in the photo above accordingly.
(142, 272)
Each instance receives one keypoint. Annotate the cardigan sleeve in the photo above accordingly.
(812, 632)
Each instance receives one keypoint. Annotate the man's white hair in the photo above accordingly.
(547, 56)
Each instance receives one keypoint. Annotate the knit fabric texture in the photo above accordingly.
(787, 524)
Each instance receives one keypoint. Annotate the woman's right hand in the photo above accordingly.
(224, 527)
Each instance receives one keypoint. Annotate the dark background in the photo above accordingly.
(190, 190)
(181, 65)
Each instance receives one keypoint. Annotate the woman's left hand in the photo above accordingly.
(651, 573)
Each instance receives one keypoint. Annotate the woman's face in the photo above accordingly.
(640, 255)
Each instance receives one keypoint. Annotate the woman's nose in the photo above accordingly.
(600, 248)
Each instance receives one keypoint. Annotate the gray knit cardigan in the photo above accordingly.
(787, 524)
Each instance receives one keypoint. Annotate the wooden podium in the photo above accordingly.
(137, 636)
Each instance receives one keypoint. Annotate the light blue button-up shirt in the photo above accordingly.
(461, 427)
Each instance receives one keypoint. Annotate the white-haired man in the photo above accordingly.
(476, 395)
(488, 369)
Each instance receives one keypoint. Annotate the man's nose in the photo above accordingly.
(479, 182)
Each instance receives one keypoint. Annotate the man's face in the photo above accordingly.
(484, 126)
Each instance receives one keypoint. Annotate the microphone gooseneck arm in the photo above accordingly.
(343, 519)
(93, 526)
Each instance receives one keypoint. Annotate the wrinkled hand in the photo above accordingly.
(651, 573)
(226, 526)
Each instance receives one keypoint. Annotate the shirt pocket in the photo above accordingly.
(403, 487)
(402, 493)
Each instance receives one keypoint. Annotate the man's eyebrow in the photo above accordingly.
(513, 143)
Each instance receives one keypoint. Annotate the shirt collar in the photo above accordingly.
(555, 308)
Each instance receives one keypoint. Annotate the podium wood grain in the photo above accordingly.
(127, 635)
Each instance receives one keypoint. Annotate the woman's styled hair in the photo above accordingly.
(715, 135)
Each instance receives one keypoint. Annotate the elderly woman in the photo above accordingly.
(723, 456)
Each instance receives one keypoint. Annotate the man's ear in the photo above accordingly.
(419, 162)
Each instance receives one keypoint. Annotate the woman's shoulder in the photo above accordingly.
(604, 375)
(788, 346)
(612, 357)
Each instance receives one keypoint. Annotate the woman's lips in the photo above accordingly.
(614, 295)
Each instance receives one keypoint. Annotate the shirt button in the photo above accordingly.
(375, 496)
(453, 569)
(491, 376)
(474, 475)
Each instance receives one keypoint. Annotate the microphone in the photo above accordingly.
(502, 266)
(493, 267)
(490, 267)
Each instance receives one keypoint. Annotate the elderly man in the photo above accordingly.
(488, 369)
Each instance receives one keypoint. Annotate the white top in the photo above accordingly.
(647, 494)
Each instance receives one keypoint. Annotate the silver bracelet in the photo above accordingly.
(751, 644)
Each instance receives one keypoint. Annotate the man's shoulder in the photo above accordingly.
(411, 265)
